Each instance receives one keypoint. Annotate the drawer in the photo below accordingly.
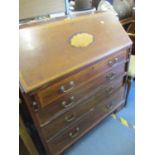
(63, 87)
(80, 110)
(64, 103)
(70, 135)
(110, 104)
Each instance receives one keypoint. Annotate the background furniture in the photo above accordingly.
(68, 90)
(36, 8)
(129, 26)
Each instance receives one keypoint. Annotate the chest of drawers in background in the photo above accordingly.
(69, 90)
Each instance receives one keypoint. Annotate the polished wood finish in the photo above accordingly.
(80, 127)
(76, 112)
(55, 109)
(53, 57)
(51, 93)
(64, 86)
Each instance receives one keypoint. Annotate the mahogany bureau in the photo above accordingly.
(72, 75)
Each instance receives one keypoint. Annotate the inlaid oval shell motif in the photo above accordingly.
(81, 40)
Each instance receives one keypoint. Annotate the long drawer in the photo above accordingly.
(94, 116)
(62, 87)
(63, 104)
(81, 109)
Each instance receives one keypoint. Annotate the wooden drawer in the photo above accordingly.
(110, 104)
(79, 111)
(59, 81)
(62, 87)
(44, 115)
(70, 135)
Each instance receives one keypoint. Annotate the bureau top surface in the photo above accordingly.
(46, 52)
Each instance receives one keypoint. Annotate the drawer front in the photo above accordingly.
(79, 111)
(110, 104)
(58, 89)
(70, 135)
(72, 99)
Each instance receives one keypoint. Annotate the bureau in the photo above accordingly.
(72, 75)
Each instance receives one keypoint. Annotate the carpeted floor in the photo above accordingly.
(110, 137)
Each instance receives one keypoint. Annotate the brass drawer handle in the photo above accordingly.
(109, 90)
(66, 105)
(71, 84)
(111, 76)
(113, 62)
(70, 118)
(74, 134)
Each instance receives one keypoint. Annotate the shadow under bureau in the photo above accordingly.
(72, 75)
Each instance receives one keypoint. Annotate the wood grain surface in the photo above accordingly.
(46, 54)
(49, 64)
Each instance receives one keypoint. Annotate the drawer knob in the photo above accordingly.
(35, 105)
(71, 86)
(111, 76)
(66, 105)
(75, 133)
(113, 62)
(70, 118)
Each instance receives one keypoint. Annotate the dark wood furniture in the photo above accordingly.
(129, 26)
(69, 90)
